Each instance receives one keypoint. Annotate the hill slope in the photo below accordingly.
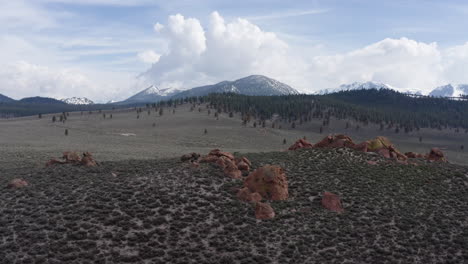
(5, 99)
(254, 85)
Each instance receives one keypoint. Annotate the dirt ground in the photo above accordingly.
(143, 205)
(32, 141)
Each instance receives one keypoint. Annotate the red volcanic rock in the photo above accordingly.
(219, 153)
(413, 155)
(190, 157)
(335, 141)
(301, 143)
(231, 170)
(361, 146)
(209, 159)
(246, 195)
(71, 157)
(332, 202)
(264, 211)
(436, 155)
(220, 162)
(269, 181)
(383, 152)
(17, 183)
(88, 160)
(372, 162)
(243, 166)
(54, 161)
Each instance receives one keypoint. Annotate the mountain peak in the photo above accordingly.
(450, 90)
(254, 85)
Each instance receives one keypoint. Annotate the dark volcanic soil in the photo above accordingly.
(162, 211)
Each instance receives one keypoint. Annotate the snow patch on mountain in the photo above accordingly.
(450, 90)
(77, 101)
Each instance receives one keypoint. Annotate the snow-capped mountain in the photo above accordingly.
(450, 90)
(250, 85)
(356, 86)
(150, 95)
(77, 101)
(366, 86)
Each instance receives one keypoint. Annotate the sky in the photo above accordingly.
(109, 49)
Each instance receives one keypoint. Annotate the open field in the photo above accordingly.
(162, 211)
(142, 205)
(33, 141)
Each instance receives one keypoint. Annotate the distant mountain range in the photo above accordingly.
(250, 85)
(448, 90)
(365, 86)
(254, 85)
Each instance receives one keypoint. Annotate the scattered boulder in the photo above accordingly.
(243, 164)
(246, 195)
(413, 155)
(332, 202)
(192, 157)
(335, 141)
(436, 155)
(269, 181)
(301, 143)
(72, 157)
(264, 211)
(231, 170)
(17, 184)
(88, 160)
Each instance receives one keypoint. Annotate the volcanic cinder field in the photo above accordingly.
(143, 205)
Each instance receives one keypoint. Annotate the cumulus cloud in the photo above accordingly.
(23, 79)
(198, 55)
(223, 50)
(402, 63)
(149, 56)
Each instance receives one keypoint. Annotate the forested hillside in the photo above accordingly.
(386, 107)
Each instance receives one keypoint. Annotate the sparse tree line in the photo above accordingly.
(385, 108)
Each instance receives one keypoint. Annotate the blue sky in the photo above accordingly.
(108, 49)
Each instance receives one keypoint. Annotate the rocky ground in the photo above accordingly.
(165, 211)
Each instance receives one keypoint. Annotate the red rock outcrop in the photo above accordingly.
(335, 141)
(88, 160)
(264, 211)
(246, 195)
(269, 181)
(72, 157)
(436, 155)
(192, 157)
(301, 143)
(413, 155)
(231, 166)
(332, 202)
(17, 183)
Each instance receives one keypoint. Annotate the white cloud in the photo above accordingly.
(402, 63)
(23, 79)
(198, 55)
(149, 56)
(229, 50)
